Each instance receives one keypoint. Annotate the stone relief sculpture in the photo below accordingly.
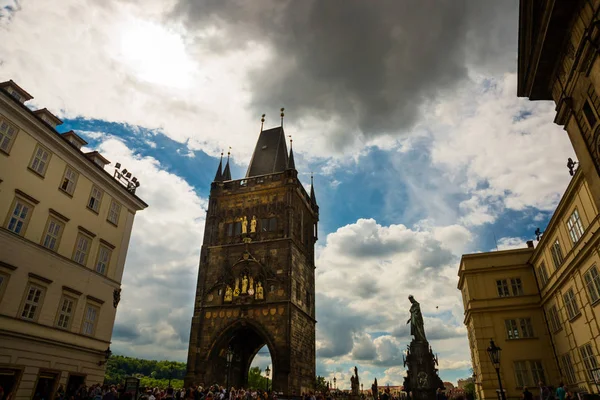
(245, 284)
(259, 291)
(228, 294)
(251, 287)
(244, 225)
(416, 320)
(253, 224)
(236, 291)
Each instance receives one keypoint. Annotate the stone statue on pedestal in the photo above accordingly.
(421, 379)
(355, 385)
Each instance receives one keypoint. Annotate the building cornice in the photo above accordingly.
(89, 166)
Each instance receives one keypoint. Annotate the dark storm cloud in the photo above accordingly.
(369, 65)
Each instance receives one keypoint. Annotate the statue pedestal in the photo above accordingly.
(422, 378)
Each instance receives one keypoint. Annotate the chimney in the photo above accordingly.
(530, 244)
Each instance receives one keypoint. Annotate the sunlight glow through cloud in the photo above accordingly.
(156, 54)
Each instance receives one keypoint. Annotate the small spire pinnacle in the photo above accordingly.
(291, 164)
(282, 114)
(227, 171)
(262, 122)
(219, 174)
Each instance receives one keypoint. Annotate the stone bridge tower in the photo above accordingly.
(256, 280)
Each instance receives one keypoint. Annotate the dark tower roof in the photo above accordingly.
(313, 198)
(270, 154)
(227, 171)
(219, 175)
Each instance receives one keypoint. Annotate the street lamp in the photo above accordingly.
(494, 353)
(229, 357)
(268, 372)
(362, 388)
(334, 381)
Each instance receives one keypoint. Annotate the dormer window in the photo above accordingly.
(97, 159)
(74, 139)
(48, 117)
(15, 91)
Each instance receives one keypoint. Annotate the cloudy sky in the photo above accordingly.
(406, 111)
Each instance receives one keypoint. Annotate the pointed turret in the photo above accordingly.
(291, 164)
(219, 174)
(227, 171)
(313, 198)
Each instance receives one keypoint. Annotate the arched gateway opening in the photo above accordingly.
(232, 354)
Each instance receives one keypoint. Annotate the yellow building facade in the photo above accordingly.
(64, 235)
(539, 305)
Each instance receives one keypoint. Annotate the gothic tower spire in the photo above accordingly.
(313, 198)
(227, 171)
(291, 164)
(219, 174)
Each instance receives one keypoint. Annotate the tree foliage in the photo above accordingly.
(152, 373)
(320, 384)
(470, 390)
(256, 380)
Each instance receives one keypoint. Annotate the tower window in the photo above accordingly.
(237, 228)
(589, 113)
(268, 224)
(229, 229)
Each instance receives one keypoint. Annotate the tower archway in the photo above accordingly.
(242, 340)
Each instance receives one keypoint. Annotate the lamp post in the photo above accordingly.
(268, 372)
(362, 388)
(334, 381)
(494, 353)
(229, 357)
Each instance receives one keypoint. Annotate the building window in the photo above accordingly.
(592, 282)
(82, 249)
(65, 312)
(554, 319)
(33, 301)
(229, 229)
(517, 287)
(502, 286)
(69, 180)
(522, 374)
(537, 371)
(528, 373)
(39, 162)
(19, 217)
(589, 359)
(104, 254)
(114, 212)
(589, 113)
(512, 331)
(3, 284)
(268, 224)
(567, 366)
(54, 230)
(95, 199)
(575, 226)
(7, 135)
(571, 304)
(557, 256)
(526, 328)
(543, 274)
(89, 320)
(237, 228)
